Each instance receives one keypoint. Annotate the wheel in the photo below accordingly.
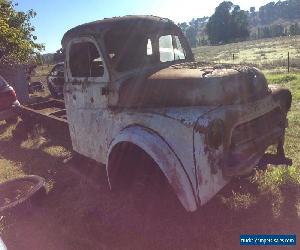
(20, 192)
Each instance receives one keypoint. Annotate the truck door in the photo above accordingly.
(86, 76)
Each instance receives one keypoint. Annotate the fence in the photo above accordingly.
(289, 63)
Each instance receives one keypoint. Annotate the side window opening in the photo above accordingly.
(179, 53)
(85, 60)
(170, 49)
(166, 50)
(149, 48)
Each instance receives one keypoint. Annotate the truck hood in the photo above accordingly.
(192, 84)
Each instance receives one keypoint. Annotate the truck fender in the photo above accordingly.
(165, 158)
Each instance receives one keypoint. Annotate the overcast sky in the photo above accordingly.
(55, 17)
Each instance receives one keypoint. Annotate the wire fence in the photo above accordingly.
(288, 63)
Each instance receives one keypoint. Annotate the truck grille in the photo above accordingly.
(256, 128)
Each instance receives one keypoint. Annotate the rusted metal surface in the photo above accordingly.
(50, 114)
(129, 24)
(175, 86)
(46, 110)
(189, 117)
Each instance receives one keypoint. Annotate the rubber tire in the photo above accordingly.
(35, 194)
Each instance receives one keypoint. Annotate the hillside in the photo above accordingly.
(281, 18)
(267, 14)
(268, 53)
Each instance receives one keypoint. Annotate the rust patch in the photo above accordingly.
(192, 84)
(213, 159)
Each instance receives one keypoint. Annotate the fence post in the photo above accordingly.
(288, 62)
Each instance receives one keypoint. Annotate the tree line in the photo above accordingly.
(17, 41)
(229, 23)
(287, 10)
(276, 30)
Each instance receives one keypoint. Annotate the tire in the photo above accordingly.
(36, 191)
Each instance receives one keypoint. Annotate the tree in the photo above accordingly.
(194, 30)
(183, 26)
(267, 13)
(252, 10)
(288, 10)
(239, 24)
(228, 23)
(17, 42)
(277, 30)
(191, 35)
(294, 29)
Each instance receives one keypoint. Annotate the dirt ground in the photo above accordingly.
(80, 212)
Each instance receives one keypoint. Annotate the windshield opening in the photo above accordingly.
(129, 50)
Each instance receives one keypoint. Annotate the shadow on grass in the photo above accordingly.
(78, 215)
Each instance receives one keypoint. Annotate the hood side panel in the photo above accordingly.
(179, 86)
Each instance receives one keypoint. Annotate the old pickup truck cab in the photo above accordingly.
(134, 96)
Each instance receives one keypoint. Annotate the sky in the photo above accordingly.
(55, 17)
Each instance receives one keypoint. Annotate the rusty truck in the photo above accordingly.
(136, 101)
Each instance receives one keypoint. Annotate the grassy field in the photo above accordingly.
(266, 53)
(40, 75)
(80, 212)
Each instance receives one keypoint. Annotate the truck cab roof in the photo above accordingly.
(132, 22)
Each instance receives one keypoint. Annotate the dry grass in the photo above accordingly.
(40, 75)
(265, 53)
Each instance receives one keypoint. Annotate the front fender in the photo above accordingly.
(164, 156)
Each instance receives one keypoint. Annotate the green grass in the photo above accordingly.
(281, 78)
(291, 175)
(277, 183)
(40, 75)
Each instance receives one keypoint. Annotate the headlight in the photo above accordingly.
(215, 134)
